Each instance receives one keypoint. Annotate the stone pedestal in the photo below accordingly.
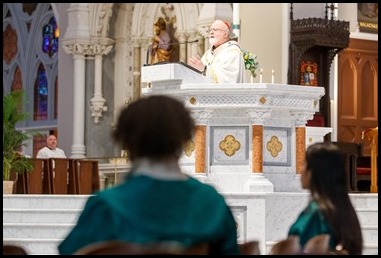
(250, 137)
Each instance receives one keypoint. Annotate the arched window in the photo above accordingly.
(41, 89)
(50, 34)
(30, 57)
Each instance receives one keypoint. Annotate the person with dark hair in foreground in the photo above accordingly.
(329, 210)
(156, 202)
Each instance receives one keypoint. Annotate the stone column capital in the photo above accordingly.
(202, 116)
(301, 118)
(258, 116)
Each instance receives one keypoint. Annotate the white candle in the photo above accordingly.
(260, 75)
(235, 13)
(236, 19)
(272, 76)
(251, 79)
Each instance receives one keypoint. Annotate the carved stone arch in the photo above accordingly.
(145, 14)
(99, 19)
(126, 84)
(187, 15)
(184, 18)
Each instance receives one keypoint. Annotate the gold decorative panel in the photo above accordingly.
(262, 100)
(189, 148)
(192, 100)
(277, 146)
(274, 146)
(229, 145)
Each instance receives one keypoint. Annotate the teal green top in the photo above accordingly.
(311, 222)
(144, 209)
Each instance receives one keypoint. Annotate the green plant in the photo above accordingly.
(13, 139)
(251, 63)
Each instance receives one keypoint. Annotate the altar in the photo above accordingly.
(250, 137)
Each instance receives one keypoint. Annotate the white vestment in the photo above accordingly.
(225, 64)
(46, 153)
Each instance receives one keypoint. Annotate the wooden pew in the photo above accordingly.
(62, 172)
(350, 151)
(86, 176)
(60, 176)
(37, 181)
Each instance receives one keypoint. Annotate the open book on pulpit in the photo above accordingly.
(172, 73)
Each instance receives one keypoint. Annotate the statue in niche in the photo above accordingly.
(161, 43)
(167, 12)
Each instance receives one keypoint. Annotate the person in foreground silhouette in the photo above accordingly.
(157, 201)
(329, 210)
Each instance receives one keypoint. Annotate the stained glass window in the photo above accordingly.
(41, 95)
(40, 83)
(50, 35)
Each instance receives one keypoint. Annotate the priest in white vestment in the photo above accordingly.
(224, 62)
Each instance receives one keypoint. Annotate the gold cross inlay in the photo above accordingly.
(189, 148)
(229, 145)
(274, 146)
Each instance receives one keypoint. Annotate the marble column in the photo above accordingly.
(257, 146)
(137, 67)
(76, 42)
(78, 149)
(183, 37)
(201, 117)
(300, 120)
(300, 145)
(192, 48)
(200, 148)
(258, 182)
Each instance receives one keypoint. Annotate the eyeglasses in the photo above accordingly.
(215, 29)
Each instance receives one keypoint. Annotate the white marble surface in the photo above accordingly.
(229, 111)
(265, 217)
(316, 134)
(171, 71)
(228, 182)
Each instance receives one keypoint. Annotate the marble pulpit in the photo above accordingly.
(164, 75)
(250, 137)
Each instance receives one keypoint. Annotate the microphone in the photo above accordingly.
(167, 44)
(179, 43)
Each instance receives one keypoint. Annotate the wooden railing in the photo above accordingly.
(59, 176)
(359, 167)
(372, 135)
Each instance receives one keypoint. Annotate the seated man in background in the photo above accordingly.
(51, 150)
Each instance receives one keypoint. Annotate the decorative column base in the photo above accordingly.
(258, 183)
(78, 151)
(201, 177)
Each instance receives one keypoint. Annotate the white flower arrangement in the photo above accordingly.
(251, 63)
